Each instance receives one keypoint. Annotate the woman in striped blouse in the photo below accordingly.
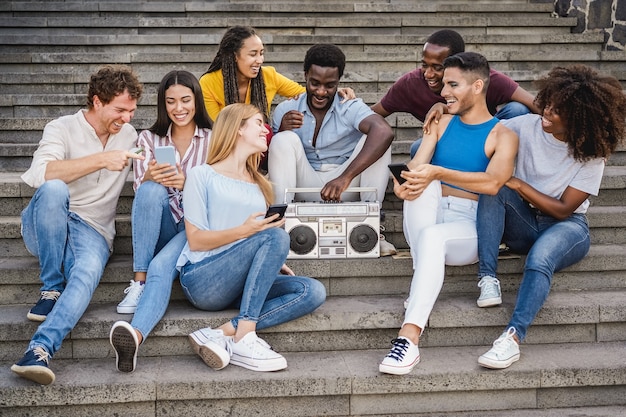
(158, 232)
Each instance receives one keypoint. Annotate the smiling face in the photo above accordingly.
(552, 123)
(250, 57)
(254, 133)
(110, 117)
(321, 86)
(180, 105)
(458, 91)
(432, 65)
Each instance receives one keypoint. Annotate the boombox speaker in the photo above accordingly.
(333, 230)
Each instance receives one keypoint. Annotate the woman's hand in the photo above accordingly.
(285, 270)
(253, 225)
(346, 93)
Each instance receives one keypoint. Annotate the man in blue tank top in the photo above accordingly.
(466, 154)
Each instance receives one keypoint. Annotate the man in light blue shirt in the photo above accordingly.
(323, 143)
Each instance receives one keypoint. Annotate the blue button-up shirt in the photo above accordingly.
(338, 134)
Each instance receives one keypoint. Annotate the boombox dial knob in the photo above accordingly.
(363, 238)
(302, 239)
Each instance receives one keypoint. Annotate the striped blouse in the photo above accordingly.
(196, 154)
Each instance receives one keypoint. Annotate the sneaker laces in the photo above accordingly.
(503, 343)
(135, 286)
(41, 354)
(489, 287)
(50, 295)
(399, 349)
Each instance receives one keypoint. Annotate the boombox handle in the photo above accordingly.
(317, 190)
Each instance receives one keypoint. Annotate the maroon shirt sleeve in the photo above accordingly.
(410, 94)
(501, 88)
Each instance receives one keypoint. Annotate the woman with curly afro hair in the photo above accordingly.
(541, 210)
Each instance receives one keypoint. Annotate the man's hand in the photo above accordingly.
(416, 182)
(117, 160)
(293, 119)
(333, 189)
(433, 115)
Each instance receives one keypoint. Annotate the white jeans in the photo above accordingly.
(288, 167)
(440, 231)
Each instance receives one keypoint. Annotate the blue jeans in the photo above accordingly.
(72, 256)
(247, 276)
(158, 287)
(153, 223)
(551, 245)
(508, 111)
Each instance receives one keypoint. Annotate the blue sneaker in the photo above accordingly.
(34, 366)
(40, 311)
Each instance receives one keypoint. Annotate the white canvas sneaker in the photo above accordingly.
(402, 357)
(490, 294)
(254, 353)
(212, 346)
(133, 293)
(504, 352)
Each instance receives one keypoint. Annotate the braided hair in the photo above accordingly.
(592, 107)
(230, 45)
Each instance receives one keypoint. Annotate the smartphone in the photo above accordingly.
(165, 155)
(276, 208)
(396, 169)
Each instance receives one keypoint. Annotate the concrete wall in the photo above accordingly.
(606, 16)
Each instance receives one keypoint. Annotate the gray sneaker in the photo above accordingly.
(490, 294)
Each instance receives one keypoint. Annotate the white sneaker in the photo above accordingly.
(490, 294)
(133, 293)
(254, 353)
(504, 352)
(124, 340)
(386, 248)
(212, 346)
(402, 357)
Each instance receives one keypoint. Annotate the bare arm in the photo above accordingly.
(379, 138)
(522, 96)
(70, 170)
(378, 108)
(559, 208)
(204, 240)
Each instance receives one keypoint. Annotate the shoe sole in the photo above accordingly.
(126, 310)
(35, 317)
(268, 365)
(211, 353)
(38, 374)
(125, 349)
(398, 370)
(488, 363)
(489, 302)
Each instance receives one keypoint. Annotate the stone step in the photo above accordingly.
(602, 269)
(346, 322)
(334, 383)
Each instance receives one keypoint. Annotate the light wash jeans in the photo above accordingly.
(508, 111)
(247, 276)
(153, 224)
(72, 256)
(440, 231)
(158, 287)
(288, 167)
(551, 245)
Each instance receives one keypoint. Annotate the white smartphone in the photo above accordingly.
(165, 155)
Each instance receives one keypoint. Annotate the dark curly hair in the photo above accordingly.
(112, 80)
(592, 107)
(325, 55)
(230, 45)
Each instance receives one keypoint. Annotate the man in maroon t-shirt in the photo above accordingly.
(418, 91)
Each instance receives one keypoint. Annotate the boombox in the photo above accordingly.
(333, 230)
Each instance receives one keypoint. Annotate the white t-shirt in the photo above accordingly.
(545, 163)
(216, 202)
(94, 196)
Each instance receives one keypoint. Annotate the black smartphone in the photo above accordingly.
(396, 169)
(276, 208)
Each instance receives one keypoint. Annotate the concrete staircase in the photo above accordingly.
(573, 362)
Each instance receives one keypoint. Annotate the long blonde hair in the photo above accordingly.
(224, 139)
